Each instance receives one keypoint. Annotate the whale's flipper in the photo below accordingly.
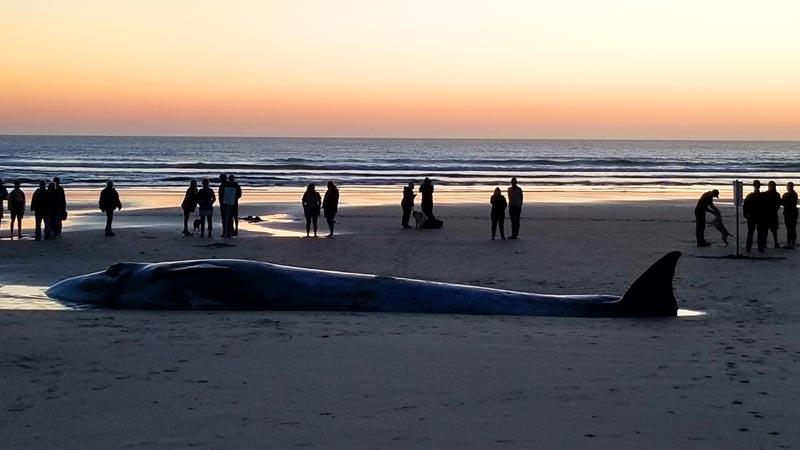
(651, 294)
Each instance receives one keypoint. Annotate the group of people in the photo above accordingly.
(760, 209)
(48, 204)
(202, 201)
(313, 203)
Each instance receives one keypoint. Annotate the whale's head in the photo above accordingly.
(111, 288)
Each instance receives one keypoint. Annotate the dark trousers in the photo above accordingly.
(427, 209)
(790, 219)
(223, 211)
(762, 230)
(311, 220)
(40, 219)
(514, 213)
(700, 226)
(407, 214)
(331, 221)
(109, 219)
(498, 221)
(751, 229)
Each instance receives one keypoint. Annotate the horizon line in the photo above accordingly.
(179, 136)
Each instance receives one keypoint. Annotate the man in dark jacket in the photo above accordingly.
(41, 205)
(789, 202)
(59, 208)
(109, 201)
(704, 205)
(752, 211)
(772, 204)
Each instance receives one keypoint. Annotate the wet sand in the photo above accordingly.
(139, 379)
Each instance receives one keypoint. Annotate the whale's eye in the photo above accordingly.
(113, 270)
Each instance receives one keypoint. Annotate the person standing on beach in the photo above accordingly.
(3, 198)
(498, 213)
(752, 211)
(41, 204)
(16, 204)
(789, 202)
(59, 213)
(109, 201)
(704, 204)
(223, 208)
(233, 221)
(514, 207)
(772, 204)
(426, 189)
(407, 203)
(330, 203)
(205, 202)
(189, 205)
(312, 202)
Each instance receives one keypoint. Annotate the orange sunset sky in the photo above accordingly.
(507, 69)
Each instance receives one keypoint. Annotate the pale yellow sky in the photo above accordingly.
(539, 69)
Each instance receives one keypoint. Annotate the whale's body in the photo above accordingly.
(252, 285)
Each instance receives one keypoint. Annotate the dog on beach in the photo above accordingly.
(197, 224)
(419, 218)
(717, 223)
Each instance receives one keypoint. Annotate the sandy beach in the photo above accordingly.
(140, 379)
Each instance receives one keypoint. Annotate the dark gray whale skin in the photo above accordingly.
(250, 285)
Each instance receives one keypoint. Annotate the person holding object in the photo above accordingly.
(514, 207)
(704, 204)
(109, 201)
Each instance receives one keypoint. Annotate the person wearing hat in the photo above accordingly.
(704, 204)
(789, 202)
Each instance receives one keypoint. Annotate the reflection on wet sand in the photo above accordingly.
(16, 296)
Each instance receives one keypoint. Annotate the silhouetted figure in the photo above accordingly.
(233, 222)
(16, 205)
(109, 201)
(59, 214)
(752, 211)
(189, 206)
(223, 208)
(789, 202)
(426, 189)
(704, 204)
(407, 203)
(498, 213)
(772, 204)
(514, 207)
(205, 202)
(3, 198)
(41, 204)
(52, 192)
(312, 202)
(330, 203)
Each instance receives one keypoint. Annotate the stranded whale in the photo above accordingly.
(251, 285)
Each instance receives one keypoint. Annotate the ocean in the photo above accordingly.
(456, 164)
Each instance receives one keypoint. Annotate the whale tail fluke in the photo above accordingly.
(651, 294)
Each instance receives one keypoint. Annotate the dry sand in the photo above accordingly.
(140, 379)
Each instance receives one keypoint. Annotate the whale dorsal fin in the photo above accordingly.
(651, 294)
